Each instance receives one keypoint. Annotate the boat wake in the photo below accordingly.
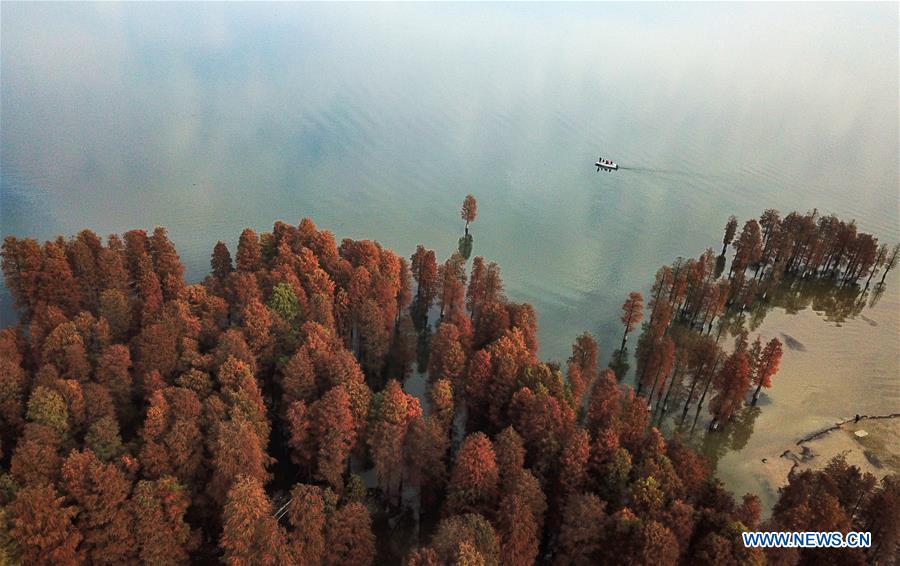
(654, 170)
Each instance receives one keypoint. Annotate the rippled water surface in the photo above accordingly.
(376, 120)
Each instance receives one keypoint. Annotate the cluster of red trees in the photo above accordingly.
(801, 245)
(145, 419)
(679, 359)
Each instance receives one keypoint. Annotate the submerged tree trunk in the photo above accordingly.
(653, 387)
(709, 380)
(687, 402)
(675, 377)
(756, 394)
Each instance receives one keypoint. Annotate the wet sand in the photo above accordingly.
(878, 452)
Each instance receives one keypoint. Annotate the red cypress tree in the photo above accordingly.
(166, 263)
(633, 421)
(257, 324)
(250, 533)
(509, 357)
(299, 437)
(656, 545)
(21, 269)
(582, 531)
(509, 450)
(172, 438)
(475, 291)
(447, 358)
(101, 493)
(236, 451)
(112, 372)
(492, 322)
(64, 348)
(82, 256)
(111, 265)
(56, 284)
(136, 252)
(240, 391)
(766, 366)
(469, 210)
(582, 366)
(452, 284)
(13, 382)
(348, 537)
(150, 297)
(249, 252)
(523, 318)
(604, 403)
(42, 527)
(232, 344)
(543, 421)
(473, 533)
(161, 534)
(424, 270)
(474, 481)
(387, 437)
(334, 428)
(518, 531)
(440, 401)
(573, 461)
(631, 314)
(427, 445)
(36, 460)
(220, 262)
(156, 348)
(306, 515)
(477, 385)
(115, 309)
(731, 383)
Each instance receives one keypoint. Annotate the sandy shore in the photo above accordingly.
(877, 451)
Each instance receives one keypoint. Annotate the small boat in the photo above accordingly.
(606, 165)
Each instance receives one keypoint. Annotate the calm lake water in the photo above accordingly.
(376, 120)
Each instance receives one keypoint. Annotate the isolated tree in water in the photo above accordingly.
(631, 314)
(469, 211)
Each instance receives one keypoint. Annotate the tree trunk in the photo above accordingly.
(687, 402)
(653, 387)
(883, 275)
(712, 374)
(756, 394)
(675, 377)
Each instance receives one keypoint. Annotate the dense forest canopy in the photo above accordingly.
(260, 416)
